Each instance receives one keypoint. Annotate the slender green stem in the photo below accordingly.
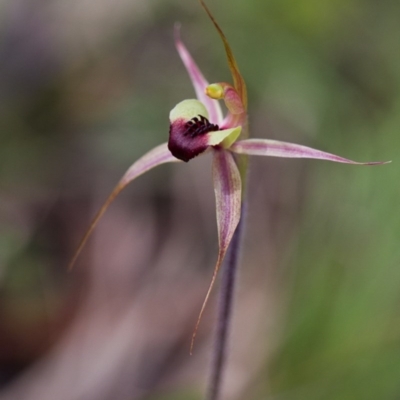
(226, 302)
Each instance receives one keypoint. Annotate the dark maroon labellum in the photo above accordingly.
(187, 139)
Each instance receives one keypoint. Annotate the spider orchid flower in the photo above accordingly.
(198, 126)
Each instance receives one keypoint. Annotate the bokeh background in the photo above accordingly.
(85, 88)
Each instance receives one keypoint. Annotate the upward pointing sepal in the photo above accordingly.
(238, 80)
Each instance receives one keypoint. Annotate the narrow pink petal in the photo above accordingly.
(228, 193)
(158, 155)
(274, 148)
(198, 80)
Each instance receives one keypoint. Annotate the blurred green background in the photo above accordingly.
(85, 89)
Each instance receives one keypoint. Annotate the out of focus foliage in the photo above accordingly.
(86, 88)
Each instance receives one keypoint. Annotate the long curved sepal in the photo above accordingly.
(238, 80)
(228, 195)
(198, 81)
(158, 155)
(274, 148)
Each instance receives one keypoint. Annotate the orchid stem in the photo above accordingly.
(226, 302)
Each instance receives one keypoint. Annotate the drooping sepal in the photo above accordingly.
(228, 197)
(157, 156)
